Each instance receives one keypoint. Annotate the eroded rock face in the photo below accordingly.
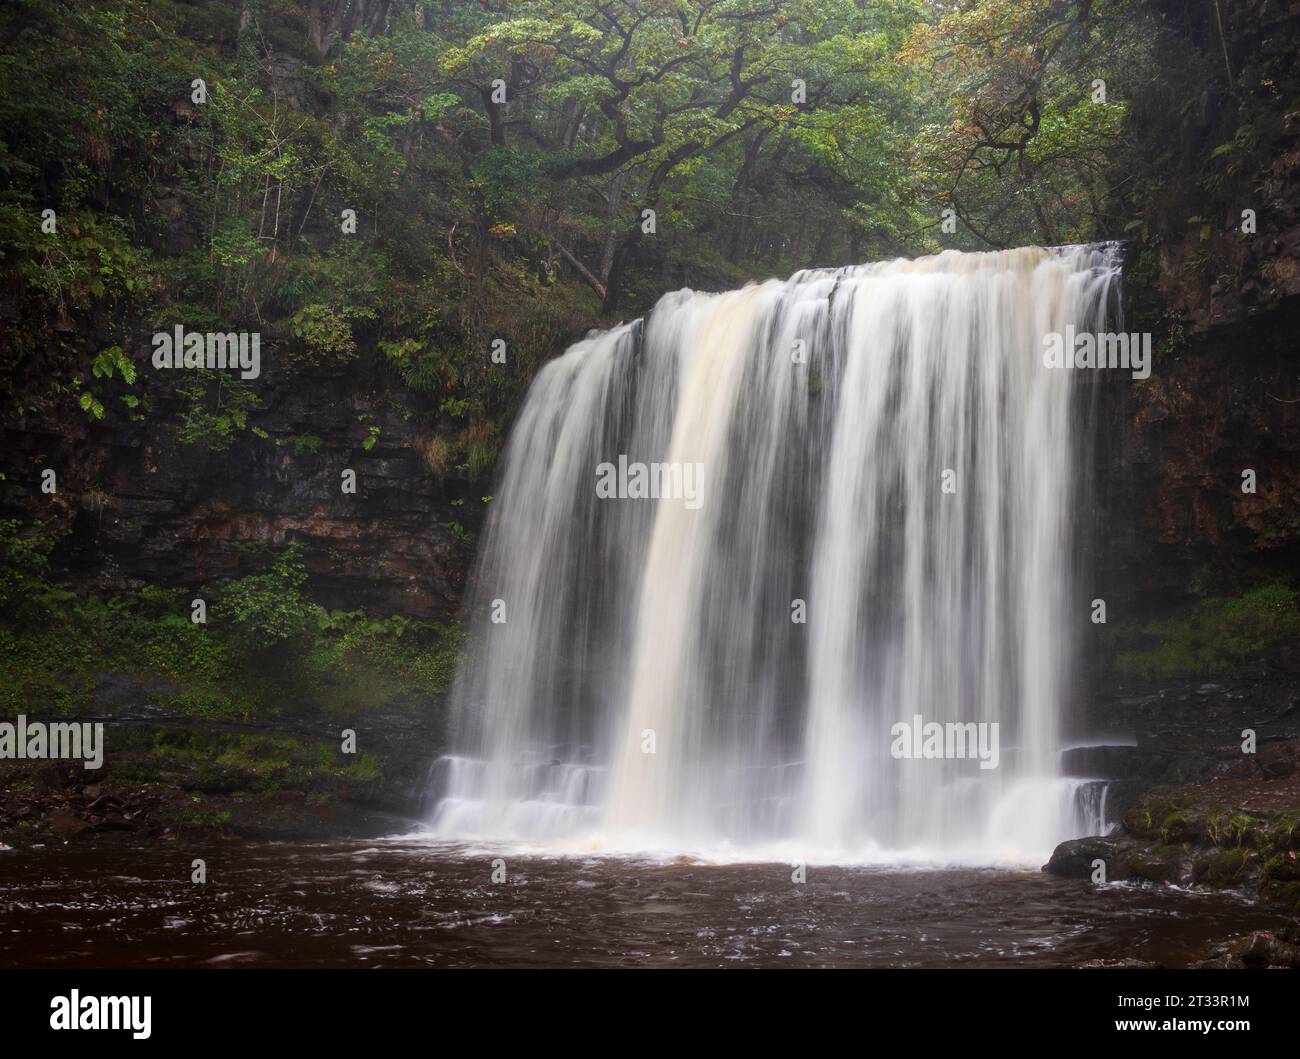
(146, 508)
(1223, 307)
(1172, 513)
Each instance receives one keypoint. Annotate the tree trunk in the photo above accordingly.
(614, 280)
(611, 223)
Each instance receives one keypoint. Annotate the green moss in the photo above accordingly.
(266, 648)
(1279, 878)
(1224, 868)
(1284, 832)
(1179, 827)
(1287, 894)
(1228, 827)
(1231, 847)
(203, 820)
(1152, 815)
(1153, 867)
(303, 444)
(135, 773)
(1219, 634)
(324, 671)
(365, 769)
(362, 660)
(1137, 820)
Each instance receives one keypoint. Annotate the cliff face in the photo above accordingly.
(1194, 539)
(143, 507)
(1223, 306)
(1174, 517)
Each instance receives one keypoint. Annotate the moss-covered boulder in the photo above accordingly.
(1183, 836)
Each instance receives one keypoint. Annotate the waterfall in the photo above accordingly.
(883, 530)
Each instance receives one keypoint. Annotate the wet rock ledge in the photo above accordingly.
(1238, 829)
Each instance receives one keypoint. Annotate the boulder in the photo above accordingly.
(1074, 859)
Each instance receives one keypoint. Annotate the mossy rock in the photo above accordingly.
(1284, 832)
(1075, 858)
(135, 772)
(1139, 821)
(1223, 869)
(1212, 638)
(1147, 818)
(1268, 949)
(1281, 868)
(1229, 828)
(1287, 894)
(1153, 867)
(1180, 826)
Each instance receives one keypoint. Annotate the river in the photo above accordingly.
(409, 902)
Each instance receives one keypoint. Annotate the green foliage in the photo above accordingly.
(265, 643)
(326, 334)
(1220, 633)
(107, 363)
(303, 444)
(477, 219)
(1023, 106)
(458, 533)
(358, 657)
(25, 591)
(365, 769)
(268, 611)
(214, 407)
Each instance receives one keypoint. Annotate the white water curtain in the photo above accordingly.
(885, 455)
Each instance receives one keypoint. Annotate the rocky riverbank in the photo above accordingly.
(1192, 808)
(168, 775)
(1238, 829)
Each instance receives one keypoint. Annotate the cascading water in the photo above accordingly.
(882, 530)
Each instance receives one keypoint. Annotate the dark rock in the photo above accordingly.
(1288, 657)
(55, 778)
(386, 550)
(1120, 795)
(1103, 762)
(1074, 859)
(1267, 949)
(63, 824)
(1276, 770)
(1155, 866)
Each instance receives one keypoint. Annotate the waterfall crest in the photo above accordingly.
(884, 530)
